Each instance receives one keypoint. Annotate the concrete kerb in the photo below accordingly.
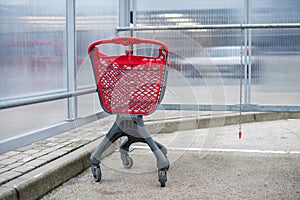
(45, 178)
(8, 193)
(173, 125)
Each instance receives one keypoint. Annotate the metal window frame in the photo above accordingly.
(71, 57)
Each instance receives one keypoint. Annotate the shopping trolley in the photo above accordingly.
(130, 86)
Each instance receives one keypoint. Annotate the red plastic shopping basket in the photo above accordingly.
(128, 83)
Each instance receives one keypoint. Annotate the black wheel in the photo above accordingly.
(162, 177)
(96, 171)
(126, 161)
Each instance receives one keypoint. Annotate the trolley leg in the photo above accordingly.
(158, 150)
(113, 134)
(162, 148)
(162, 160)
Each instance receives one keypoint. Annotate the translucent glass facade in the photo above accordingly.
(194, 70)
(32, 39)
(270, 57)
(276, 52)
(33, 63)
(95, 20)
(32, 47)
(36, 58)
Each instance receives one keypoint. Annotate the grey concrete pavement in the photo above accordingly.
(192, 176)
(207, 163)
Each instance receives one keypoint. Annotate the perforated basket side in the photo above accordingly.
(130, 85)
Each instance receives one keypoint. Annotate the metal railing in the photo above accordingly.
(245, 107)
(209, 26)
(28, 100)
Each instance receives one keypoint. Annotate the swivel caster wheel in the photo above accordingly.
(126, 161)
(162, 177)
(96, 171)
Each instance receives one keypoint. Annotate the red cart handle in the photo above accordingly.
(126, 41)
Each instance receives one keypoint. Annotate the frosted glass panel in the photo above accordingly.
(32, 41)
(95, 20)
(272, 55)
(276, 53)
(20, 120)
(204, 63)
(277, 56)
(32, 63)
(275, 11)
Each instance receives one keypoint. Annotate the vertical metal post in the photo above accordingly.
(249, 51)
(71, 58)
(246, 54)
(132, 15)
(133, 10)
(124, 13)
(132, 19)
